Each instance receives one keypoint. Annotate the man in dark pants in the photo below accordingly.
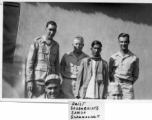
(70, 64)
(43, 59)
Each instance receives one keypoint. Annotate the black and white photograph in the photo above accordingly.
(77, 50)
(76, 60)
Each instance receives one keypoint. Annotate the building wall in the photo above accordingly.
(103, 22)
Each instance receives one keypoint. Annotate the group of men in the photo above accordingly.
(79, 76)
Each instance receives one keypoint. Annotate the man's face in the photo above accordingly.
(123, 42)
(78, 45)
(53, 90)
(115, 96)
(50, 31)
(96, 49)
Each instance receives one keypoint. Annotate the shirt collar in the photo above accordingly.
(126, 55)
(45, 41)
(71, 54)
(81, 56)
(96, 58)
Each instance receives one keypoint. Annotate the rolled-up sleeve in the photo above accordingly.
(30, 62)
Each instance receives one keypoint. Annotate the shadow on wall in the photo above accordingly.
(13, 77)
(13, 84)
(13, 80)
(136, 13)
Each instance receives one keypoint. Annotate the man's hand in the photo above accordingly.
(77, 97)
(30, 85)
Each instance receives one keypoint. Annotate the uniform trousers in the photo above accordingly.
(126, 88)
(37, 91)
(68, 87)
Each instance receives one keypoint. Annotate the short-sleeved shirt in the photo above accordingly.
(70, 64)
(124, 67)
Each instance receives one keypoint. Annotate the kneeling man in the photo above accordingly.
(114, 91)
(53, 88)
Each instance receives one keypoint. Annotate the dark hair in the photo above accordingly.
(96, 42)
(52, 23)
(124, 35)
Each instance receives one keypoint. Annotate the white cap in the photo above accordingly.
(53, 78)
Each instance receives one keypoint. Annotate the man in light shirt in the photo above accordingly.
(124, 67)
(70, 66)
(42, 60)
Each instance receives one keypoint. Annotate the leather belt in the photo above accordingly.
(120, 80)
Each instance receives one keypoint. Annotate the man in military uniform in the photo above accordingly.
(70, 64)
(124, 67)
(43, 59)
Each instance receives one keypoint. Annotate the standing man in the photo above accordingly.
(124, 67)
(70, 65)
(43, 59)
(92, 80)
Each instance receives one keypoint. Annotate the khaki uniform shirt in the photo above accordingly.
(124, 67)
(70, 64)
(43, 59)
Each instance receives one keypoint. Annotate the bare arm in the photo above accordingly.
(135, 70)
(111, 76)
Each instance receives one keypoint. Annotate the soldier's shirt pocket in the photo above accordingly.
(70, 67)
(40, 55)
(129, 65)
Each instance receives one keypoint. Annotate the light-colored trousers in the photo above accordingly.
(68, 87)
(127, 88)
